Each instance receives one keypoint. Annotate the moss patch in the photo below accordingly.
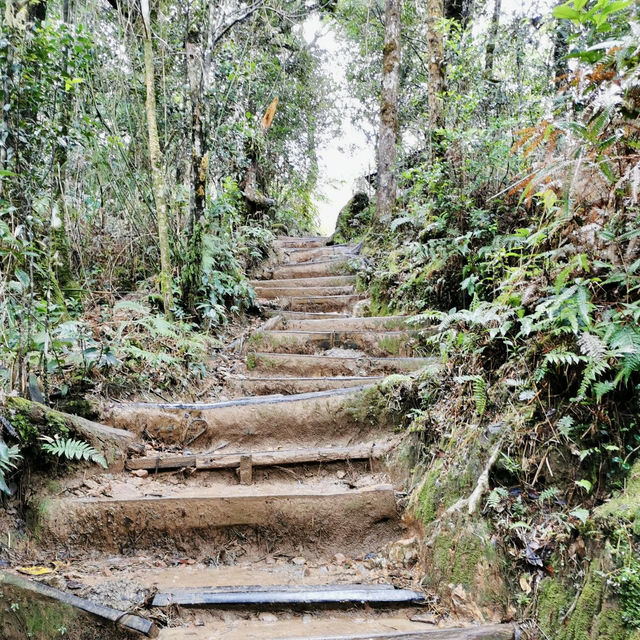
(624, 507)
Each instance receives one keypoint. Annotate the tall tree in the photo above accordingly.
(491, 39)
(159, 183)
(388, 137)
(435, 48)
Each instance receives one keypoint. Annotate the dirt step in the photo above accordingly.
(373, 343)
(269, 293)
(293, 364)
(384, 323)
(269, 385)
(311, 418)
(337, 267)
(300, 241)
(289, 595)
(305, 315)
(324, 515)
(278, 457)
(318, 303)
(299, 255)
(322, 281)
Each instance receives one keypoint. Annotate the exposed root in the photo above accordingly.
(471, 503)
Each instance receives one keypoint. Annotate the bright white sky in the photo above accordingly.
(349, 156)
(343, 160)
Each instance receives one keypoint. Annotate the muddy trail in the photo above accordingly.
(275, 513)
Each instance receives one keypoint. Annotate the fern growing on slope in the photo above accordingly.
(8, 457)
(72, 449)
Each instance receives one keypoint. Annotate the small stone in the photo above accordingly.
(140, 473)
(404, 552)
(339, 558)
(427, 618)
(268, 618)
(91, 484)
(299, 561)
(341, 474)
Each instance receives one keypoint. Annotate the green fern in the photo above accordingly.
(548, 494)
(565, 426)
(496, 497)
(72, 449)
(8, 458)
(479, 391)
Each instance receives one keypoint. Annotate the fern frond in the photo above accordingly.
(495, 498)
(479, 391)
(72, 449)
(592, 346)
(548, 494)
(565, 425)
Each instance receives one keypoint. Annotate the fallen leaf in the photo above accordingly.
(35, 570)
(525, 583)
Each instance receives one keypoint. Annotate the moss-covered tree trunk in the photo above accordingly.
(387, 142)
(435, 46)
(491, 39)
(159, 183)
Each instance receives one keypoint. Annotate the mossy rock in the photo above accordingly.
(596, 613)
(353, 220)
(624, 507)
(463, 553)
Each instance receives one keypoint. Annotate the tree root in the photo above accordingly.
(470, 503)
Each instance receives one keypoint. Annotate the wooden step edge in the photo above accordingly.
(364, 357)
(475, 632)
(120, 619)
(302, 282)
(290, 379)
(203, 597)
(208, 462)
(240, 402)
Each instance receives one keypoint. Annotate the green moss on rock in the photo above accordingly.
(624, 507)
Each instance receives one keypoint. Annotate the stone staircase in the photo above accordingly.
(266, 515)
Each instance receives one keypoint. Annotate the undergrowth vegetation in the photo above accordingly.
(522, 256)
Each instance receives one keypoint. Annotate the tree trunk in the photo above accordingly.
(387, 142)
(199, 170)
(159, 184)
(435, 46)
(60, 240)
(560, 52)
(491, 39)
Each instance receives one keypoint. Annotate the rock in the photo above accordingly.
(90, 484)
(299, 561)
(463, 605)
(268, 618)
(339, 558)
(140, 473)
(404, 552)
(341, 474)
(427, 618)
(361, 308)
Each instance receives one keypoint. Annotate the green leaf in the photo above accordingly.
(585, 484)
(564, 11)
(581, 514)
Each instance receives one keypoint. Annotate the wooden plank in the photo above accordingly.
(119, 618)
(302, 595)
(258, 458)
(480, 632)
